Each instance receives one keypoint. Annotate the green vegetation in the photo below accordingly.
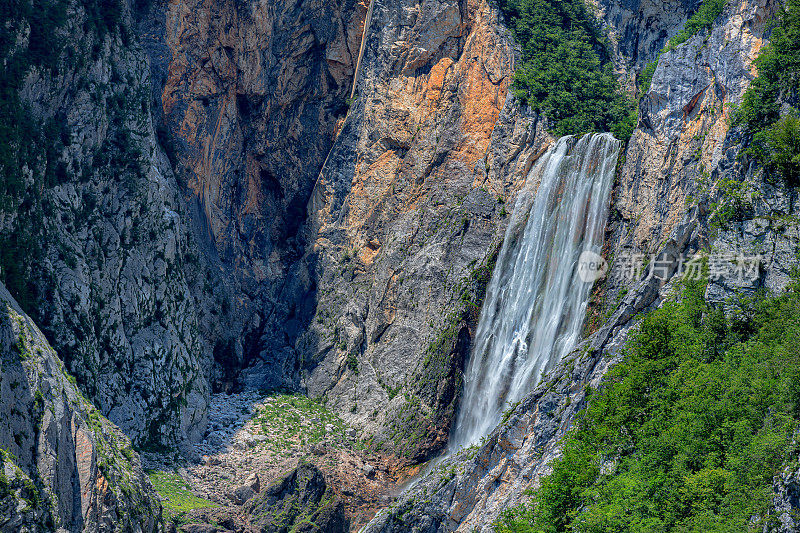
(735, 203)
(688, 431)
(702, 20)
(776, 139)
(177, 499)
(5, 486)
(352, 362)
(293, 419)
(646, 77)
(566, 72)
(103, 17)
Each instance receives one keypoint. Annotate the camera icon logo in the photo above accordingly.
(591, 267)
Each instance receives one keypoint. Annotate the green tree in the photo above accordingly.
(566, 72)
(774, 138)
(688, 431)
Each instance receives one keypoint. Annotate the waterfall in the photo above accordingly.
(536, 302)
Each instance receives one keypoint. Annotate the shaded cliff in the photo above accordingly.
(64, 465)
(95, 244)
(250, 96)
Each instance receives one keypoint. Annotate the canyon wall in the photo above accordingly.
(202, 207)
(96, 244)
(659, 207)
(64, 466)
(406, 216)
(251, 95)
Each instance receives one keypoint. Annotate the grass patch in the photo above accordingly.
(177, 498)
(293, 419)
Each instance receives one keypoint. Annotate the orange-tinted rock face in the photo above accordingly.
(682, 138)
(254, 97)
(252, 93)
(453, 87)
(407, 208)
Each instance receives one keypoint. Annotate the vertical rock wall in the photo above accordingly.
(252, 93)
(406, 216)
(97, 234)
(64, 466)
(665, 162)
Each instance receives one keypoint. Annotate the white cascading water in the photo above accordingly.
(536, 302)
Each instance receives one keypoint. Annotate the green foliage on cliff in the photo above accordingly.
(566, 72)
(701, 20)
(688, 431)
(776, 139)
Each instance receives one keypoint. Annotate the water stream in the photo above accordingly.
(536, 302)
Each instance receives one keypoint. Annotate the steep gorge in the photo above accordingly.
(665, 163)
(225, 218)
(251, 95)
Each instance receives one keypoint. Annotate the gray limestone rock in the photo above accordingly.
(66, 466)
(102, 256)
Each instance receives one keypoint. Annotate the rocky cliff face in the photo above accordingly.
(201, 206)
(251, 95)
(64, 465)
(406, 216)
(682, 141)
(683, 138)
(95, 236)
(639, 29)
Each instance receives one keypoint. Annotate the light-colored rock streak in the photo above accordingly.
(536, 303)
(367, 23)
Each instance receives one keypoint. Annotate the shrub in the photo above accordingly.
(701, 20)
(783, 142)
(774, 138)
(646, 77)
(688, 431)
(566, 72)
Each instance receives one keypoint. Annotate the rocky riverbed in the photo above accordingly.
(255, 440)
